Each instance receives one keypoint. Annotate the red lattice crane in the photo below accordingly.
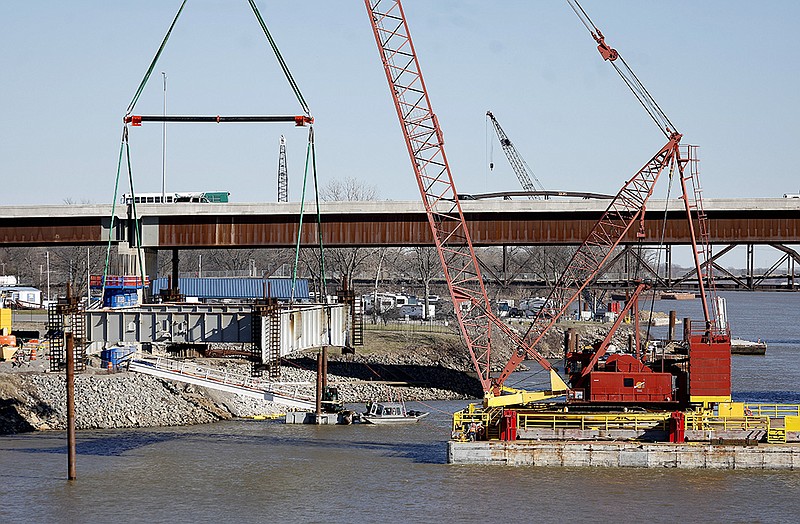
(628, 207)
(425, 144)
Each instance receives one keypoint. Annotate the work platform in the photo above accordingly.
(694, 455)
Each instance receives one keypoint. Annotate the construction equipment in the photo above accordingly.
(521, 168)
(425, 144)
(283, 174)
(627, 379)
(707, 378)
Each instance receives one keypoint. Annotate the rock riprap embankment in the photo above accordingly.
(37, 401)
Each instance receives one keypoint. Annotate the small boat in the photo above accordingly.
(391, 413)
(677, 296)
(748, 347)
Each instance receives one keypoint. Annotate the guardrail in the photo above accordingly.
(702, 422)
(227, 378)
(773, 410)
(594, 421)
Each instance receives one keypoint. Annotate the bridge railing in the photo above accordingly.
(296, 390)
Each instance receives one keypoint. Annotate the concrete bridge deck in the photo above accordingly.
(385, 223)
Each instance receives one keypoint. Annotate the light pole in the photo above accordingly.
(47, 257)
(164, 145)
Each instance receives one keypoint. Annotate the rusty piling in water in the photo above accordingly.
(71, 461)
(673, 320)
(319, 385)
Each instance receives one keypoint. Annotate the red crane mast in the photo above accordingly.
(425, 144)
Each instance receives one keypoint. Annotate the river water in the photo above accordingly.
(265, 471)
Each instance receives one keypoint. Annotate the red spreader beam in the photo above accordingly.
(137, 120)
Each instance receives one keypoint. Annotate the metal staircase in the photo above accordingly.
(776, 434)
(55, 334)
(693, 192)
(61, 318)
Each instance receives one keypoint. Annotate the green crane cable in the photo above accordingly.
(155, 59)
(137, 229)
(302, 208)
(113, 209)
(319, 215)
(280, 59)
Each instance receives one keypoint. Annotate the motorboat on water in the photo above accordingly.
(391, 413)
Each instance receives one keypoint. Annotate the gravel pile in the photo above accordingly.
(106, 401)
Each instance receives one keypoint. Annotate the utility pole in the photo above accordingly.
(283, 174)
(164, 145)
(47, 257)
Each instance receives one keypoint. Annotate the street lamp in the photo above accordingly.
(164, 145)
(47, 257)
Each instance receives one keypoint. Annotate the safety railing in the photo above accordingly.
(289, 389)
(594, 421)
(773, 410)
(471, 415)
(702, 422)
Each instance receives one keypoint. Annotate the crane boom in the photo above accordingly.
(523, 171)
(625, 209)
(425, 144)
(690, 181)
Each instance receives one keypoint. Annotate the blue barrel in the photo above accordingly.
(115, 356)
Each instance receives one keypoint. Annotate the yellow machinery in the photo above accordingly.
(5, 321)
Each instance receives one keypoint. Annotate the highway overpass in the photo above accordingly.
(386, 223)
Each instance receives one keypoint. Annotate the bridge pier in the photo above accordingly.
(129, 264)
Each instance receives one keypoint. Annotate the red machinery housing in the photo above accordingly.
(622, 379)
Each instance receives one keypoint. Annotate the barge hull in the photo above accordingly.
(625, 454)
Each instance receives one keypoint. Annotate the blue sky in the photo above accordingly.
(726, 73)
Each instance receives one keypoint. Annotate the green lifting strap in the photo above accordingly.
(137, 228)
(153, 63)
(124, 147)
(114, 208)
(280, 59)
(323, 281)
(311, 160)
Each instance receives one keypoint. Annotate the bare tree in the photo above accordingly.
(348, 190)
(427, 266)
(347, 262)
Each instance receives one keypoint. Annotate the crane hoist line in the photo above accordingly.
(674, 385)
(425, 145)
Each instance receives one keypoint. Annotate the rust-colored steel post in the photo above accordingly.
(673, 319)
(70, 346)
(637, 330)
(324, 368)
(319, 385)
(174, 282)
